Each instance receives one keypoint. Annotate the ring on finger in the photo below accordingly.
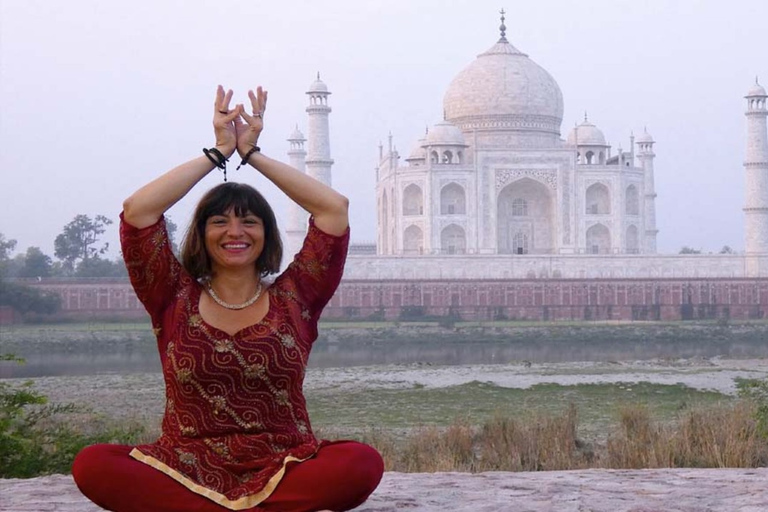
(258, 114)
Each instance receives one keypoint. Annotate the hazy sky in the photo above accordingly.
(99, 97)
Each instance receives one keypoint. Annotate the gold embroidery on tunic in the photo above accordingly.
(223, 346)
(254, 371)
(282, 397)
(287, 341)
(186, 458)
(219, 449)
(183, 375)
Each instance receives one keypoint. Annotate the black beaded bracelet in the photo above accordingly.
(218, 159)
(254, 149)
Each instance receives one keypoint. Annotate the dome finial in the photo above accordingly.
(586, 119)
(503, 27)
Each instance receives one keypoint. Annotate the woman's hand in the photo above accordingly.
(248, 132)
(223, 122)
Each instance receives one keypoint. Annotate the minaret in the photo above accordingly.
(319, 160)
(646, 155)
(756, 171)
(296, 227)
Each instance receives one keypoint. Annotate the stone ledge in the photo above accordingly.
(668, 490)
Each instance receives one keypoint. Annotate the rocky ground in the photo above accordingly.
(671, 490)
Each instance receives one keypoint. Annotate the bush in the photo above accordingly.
(25, 299)
(36, 438)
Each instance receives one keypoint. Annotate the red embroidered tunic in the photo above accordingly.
(235, 412)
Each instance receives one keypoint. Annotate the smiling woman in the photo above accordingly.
(233, 213)
(236, 434)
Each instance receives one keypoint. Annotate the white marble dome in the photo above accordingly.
(296, 134)
(445, 133)
(504, 88)
(318, 85)
(418, 152)
(644, 138)
(756, 90)
(586, 134)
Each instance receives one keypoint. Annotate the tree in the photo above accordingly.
(36, 264)
(78, 241)
(727, 250)
(26, 299)
(689, 250)
(172, 228)
(101, 267)
(6, 247)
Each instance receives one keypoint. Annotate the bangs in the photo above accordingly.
(242, 199)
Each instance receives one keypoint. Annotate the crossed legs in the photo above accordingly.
(340, 476)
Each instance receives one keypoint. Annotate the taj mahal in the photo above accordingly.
(495, 191)
(496, 215)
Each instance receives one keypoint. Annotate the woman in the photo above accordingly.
(235, 434)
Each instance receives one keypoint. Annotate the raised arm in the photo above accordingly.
(328, 207)
(145, 206)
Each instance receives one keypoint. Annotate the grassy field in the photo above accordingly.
(421, 422)
(476, 403)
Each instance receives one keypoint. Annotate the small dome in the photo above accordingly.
(586, 134)
(318, 86)
(756, 90)
(645, 138)
(418, 152)
(296, 135)
(445, 134)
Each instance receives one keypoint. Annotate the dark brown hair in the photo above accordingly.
(243, 199)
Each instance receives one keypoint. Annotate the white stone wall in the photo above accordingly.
(558, 266)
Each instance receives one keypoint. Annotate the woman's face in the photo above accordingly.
(234, 242)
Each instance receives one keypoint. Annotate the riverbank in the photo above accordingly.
(397, 397)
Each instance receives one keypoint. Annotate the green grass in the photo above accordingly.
(477, 402)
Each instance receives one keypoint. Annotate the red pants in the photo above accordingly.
(340, 476)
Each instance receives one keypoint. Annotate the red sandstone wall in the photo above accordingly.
(545, 300)
(9, 316)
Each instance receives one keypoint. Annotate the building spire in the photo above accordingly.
(503, 27)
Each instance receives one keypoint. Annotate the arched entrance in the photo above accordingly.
(525, 223)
